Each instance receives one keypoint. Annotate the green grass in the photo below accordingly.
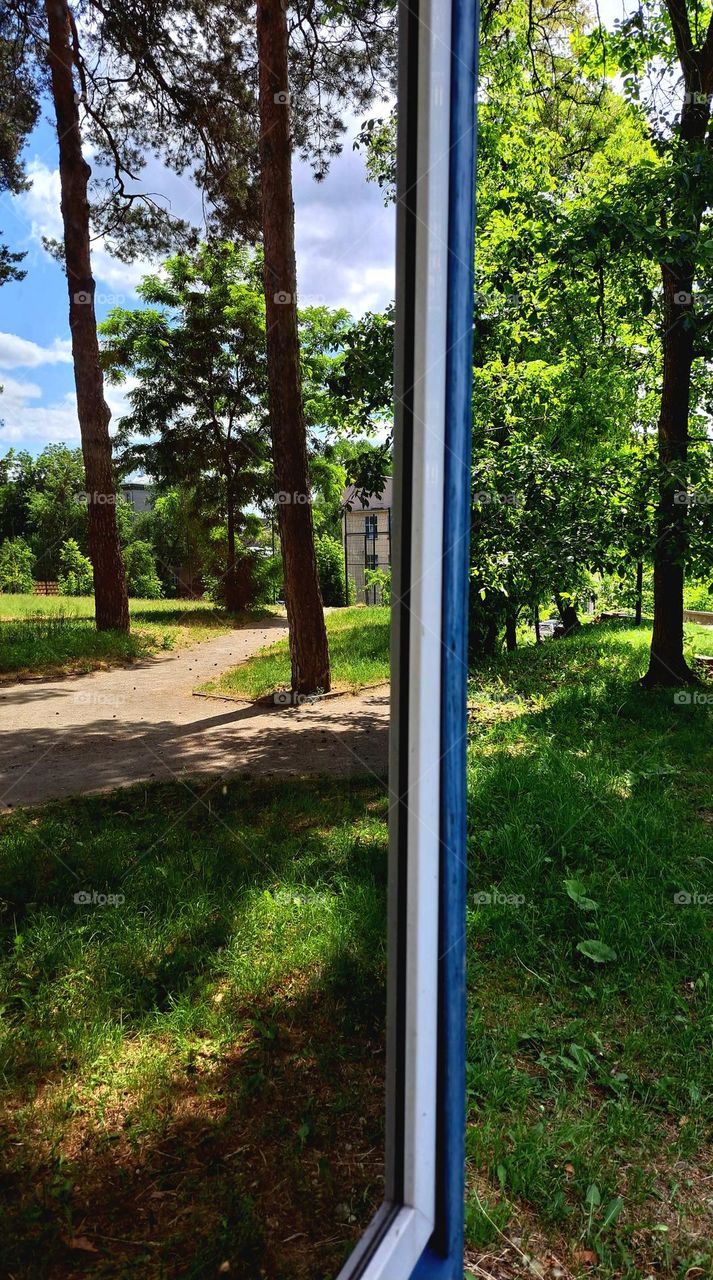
(227, 1005)
(358, 651)
(41, 635)
(590, 1083)
(233, 1001)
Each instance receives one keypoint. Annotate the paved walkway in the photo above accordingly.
(88, 733)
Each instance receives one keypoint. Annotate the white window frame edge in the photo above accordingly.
(399, 1233)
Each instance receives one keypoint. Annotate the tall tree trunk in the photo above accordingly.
(110, 596)
(568, 614)
(231, 583)
(305, 615)
(536, 612)
(667, 665)
(638, 601)
(511, 630)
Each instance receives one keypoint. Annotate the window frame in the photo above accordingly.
(418, 1231)
(371, 524)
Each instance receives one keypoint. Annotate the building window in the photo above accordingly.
(372, 561)
(371, 526)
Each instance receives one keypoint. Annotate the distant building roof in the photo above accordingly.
(377, 502)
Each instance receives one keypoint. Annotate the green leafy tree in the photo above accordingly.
(17, 564)
(659, 211)
(56, 505)
(330, 566)
(75, 571)
(197, 351)
(141, 573)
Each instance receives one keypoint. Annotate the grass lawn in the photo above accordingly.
(195, 1072)
(358, 651)
(43, 635)
(193, 1076)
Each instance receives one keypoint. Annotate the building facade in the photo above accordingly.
(366, 536)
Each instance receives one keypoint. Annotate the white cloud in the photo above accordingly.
(345, 237)
(19, 353)
(29, 425)
(39, 208)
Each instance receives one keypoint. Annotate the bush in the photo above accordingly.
(142, 578)
(75, 576)
(17, 563)
(330, 569)
(268, 579)
(698, 595)
(379, 580)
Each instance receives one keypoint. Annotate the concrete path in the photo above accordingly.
(88, 733)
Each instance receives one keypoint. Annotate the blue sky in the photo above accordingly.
(345, 256)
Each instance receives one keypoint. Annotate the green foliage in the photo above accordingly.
(17, 564)
(330, 569)
(197, 422)
(379, 580)
(75, 576)
(142, 579)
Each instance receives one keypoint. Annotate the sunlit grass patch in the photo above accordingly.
(54, 634)
(358, 652)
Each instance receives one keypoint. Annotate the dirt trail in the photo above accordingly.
(88, 733)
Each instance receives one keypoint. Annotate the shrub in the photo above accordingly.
(75, 576)
(17, 563)
(142, 578)
(379, 580)
(330, 568)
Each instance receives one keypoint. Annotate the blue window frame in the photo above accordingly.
(418, 1232)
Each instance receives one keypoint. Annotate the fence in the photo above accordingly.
(367, 545)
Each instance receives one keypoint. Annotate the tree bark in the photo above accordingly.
(536, 612)
(568, 614)
(110, 595)
(667, 665)
(510, 631)
(305, 614)
(638, 602)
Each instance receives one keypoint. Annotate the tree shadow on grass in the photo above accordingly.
(258, 1141)
(266, 1155)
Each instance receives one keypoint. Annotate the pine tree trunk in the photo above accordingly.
(110, 596)
(305, 615)
(638, 603)
(667, 665)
